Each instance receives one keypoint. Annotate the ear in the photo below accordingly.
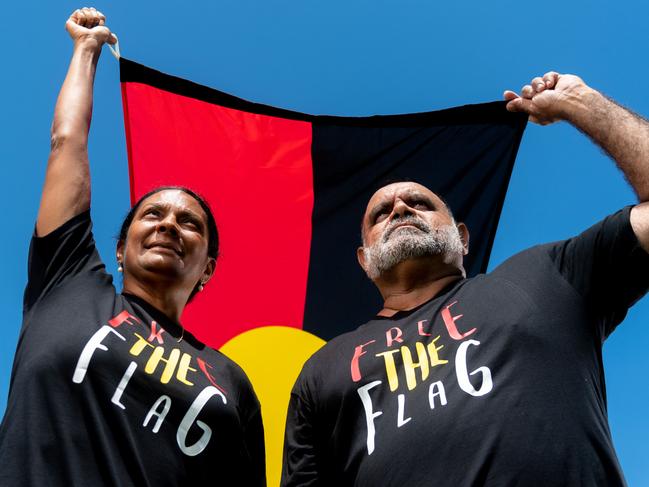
(360, 255)
(210, 267)
(120, 251)
(464, 236)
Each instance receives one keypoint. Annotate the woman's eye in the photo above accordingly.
(189, 222)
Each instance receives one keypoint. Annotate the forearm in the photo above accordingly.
(621, 133)
(73, 109)
(66, 191)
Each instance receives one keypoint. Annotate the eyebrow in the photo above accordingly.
(185, 212)
(408, 196)
(377, 209)
(419, 196)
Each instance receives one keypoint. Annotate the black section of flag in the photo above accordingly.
(465, 155)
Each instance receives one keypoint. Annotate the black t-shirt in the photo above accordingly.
(497, 381)
(104, 392)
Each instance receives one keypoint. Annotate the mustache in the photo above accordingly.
(408, 220)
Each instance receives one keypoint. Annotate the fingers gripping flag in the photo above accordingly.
(288, 191)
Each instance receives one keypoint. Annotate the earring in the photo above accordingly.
(201, 286)
(119, 267)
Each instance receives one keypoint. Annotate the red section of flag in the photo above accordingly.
(255, 171)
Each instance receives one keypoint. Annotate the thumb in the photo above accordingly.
(519, 105)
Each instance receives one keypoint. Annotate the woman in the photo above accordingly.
(107, 388)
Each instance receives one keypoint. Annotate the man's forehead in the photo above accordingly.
(403, 189)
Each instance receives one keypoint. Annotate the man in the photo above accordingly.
(495, 380)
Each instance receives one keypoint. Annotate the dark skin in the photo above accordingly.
(413, 281)
(547, 99)
(165, 253)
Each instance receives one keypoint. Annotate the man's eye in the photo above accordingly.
(152, 212)
(381, 216)
(421, 206)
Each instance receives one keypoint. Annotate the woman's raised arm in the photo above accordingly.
(66, 192)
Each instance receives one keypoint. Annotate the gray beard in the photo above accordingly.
(411, 243)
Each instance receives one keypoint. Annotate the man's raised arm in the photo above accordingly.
(623, 134)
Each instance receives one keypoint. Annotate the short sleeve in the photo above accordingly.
(300, 462)
(254, 438)
(60, 255)
(606, 265)
(253, 431)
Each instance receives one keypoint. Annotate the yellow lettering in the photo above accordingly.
(390, 368)
(183, 367)
(434, 356)
(138, 346)
(157, 357)
(409, 366)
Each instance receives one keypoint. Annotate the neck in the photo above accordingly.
(169, 301)
(414, 282)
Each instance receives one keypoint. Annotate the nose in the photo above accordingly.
(401, 209)
(168, 225)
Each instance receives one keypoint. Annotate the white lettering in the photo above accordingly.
(190, 417)
(161, 415)
(86, 354)
(122, 385)
(436, 389)
(401, 403)
(462, 375)
(363, 392)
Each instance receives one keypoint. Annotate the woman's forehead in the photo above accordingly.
(174, 198)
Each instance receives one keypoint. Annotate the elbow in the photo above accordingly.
(60, 139)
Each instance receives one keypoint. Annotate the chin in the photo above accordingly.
(166, 267)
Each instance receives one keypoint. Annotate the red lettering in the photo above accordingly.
(358, 352)
(123, 317)
(157, 334)
(396, 338)
(203, 365)
(420, 328)
(449, 321)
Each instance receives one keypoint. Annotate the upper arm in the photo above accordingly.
(607, 264)
(66, 252)
(66, 191)
(300, 462)
(640, 224)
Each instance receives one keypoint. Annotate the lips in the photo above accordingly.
(406, 223)
(165, 245)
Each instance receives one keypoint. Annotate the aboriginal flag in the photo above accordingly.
(288, 191)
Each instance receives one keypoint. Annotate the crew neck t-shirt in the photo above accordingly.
(106, 390)
(497, 381)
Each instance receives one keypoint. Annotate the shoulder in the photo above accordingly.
(534, 258)
(323, 371)
(228, 368)
(336, 348)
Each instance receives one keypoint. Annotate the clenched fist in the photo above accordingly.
(547, 99)
(87, 26)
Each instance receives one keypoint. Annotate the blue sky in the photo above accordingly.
(352, 57)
